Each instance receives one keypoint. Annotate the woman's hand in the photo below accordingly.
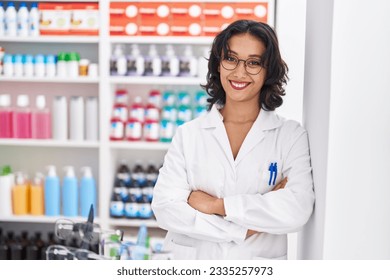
(205, 203)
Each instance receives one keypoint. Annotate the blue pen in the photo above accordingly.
(275, 172)
(271, 173)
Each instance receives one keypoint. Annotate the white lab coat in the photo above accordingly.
(200, 158)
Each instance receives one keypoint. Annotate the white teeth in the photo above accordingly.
(239, 85)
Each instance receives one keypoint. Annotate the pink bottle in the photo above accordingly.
(22, 118)
(40, 119)
(5, 116)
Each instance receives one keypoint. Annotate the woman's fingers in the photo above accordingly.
(281, 185)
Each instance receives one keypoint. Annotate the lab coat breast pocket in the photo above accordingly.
(271, 175)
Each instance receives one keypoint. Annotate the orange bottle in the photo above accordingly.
(37, 196)
(20, 195)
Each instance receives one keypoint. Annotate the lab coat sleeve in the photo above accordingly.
(285, 210)
(172, 211)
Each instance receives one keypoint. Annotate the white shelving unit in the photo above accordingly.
(103, 156)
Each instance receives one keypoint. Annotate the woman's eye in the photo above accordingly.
(231, 59)
(254, 63)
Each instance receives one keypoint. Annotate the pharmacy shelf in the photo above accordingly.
(78, 80)
(52, 39)
(42, 219)
(161, 40)
(48, 143)
(124, 145)
(157, 80)
(133, 223)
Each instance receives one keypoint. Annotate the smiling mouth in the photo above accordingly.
(238, 85)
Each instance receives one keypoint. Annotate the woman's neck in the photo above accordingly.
(240, 112)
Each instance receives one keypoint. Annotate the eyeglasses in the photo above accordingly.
(252, 65)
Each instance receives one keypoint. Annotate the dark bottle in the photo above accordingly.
(138, 175)
(17, 250)
(123, 176)
(24, 241)
(40, 244)
(151, 174)
(4, 249)
(50, 241)
(32, 250)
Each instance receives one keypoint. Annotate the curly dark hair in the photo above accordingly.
(276, 78)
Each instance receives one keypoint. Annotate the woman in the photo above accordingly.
(237, 180)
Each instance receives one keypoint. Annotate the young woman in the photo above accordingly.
(237, 180)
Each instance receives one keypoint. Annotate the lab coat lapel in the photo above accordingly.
(214, 122)
(266, 120)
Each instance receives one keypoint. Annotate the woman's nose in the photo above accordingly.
(240, 70)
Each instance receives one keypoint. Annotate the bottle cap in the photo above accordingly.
(73, 56)
(11, 4)
(40, 102)
(61, 56)
(188, 51)
(18, 58)
(84, 62)
(22, 4)
(118, 50)
(22, 100)
(39, 58)
(50, 59)
(135, 50)
(28, 58)
(34, 5)
(6, 170)
(69, 171)
(51, 171)
(87, 171)
(5, 100)
(19, 178)
(153, 51)
(38, 179)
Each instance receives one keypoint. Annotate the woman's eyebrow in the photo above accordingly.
(251, 55)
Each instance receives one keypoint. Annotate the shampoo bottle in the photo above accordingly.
(37, 196)
(20, 195)
(87, 191)
(5, 116)
(41, 120)
(70, 193)
(6, 184)
(52, 192)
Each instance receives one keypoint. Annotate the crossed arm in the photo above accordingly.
(208, 204)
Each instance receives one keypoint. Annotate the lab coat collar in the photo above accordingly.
(266, 120)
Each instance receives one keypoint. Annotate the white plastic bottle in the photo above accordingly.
(76, 124)
(10, 20)
(91, 119)
(169, 62)
(60, 118)
(2, 15)
(188, 63)
(118, 63)
(23, 17)
(6, 183)
(135, 62)
(152, 62)
(203, 64)
(34, 20)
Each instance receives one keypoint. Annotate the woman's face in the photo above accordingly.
(239, 85)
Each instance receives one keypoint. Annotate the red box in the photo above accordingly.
(252, 11)
(187, 19)
(155, 19)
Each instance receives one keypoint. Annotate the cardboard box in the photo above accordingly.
(187, 19)
(155, 19)
(55, 18)
(85, 19)
(252, 11)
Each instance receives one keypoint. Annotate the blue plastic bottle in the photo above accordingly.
(52, 192)
(87, 191)
(70, 193)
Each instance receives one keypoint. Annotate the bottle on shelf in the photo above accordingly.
(39, 66)
(32, 250)
(6, 184)
(167, 129)
(72, 61)
(155, 98)
(33, 18)
(87, 191)
(37, 195)
(28, 65)
(40, 119)
(118, 62)
(76, 122)
(22, 118)
(151, 130)
(135, 62)
(8, 65)
(169, 63)
(10, 20)
(18, 65)
(52, 192)
(60, 118)
(70, 190)
(133, 129)
(5, 116)
(188, 63)
(137, 110)
(21, 195)
(4, 249)
(50, 65)
(2, 15)
(22, 19)
(91, 119)
(203, 64)
(152, 62)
